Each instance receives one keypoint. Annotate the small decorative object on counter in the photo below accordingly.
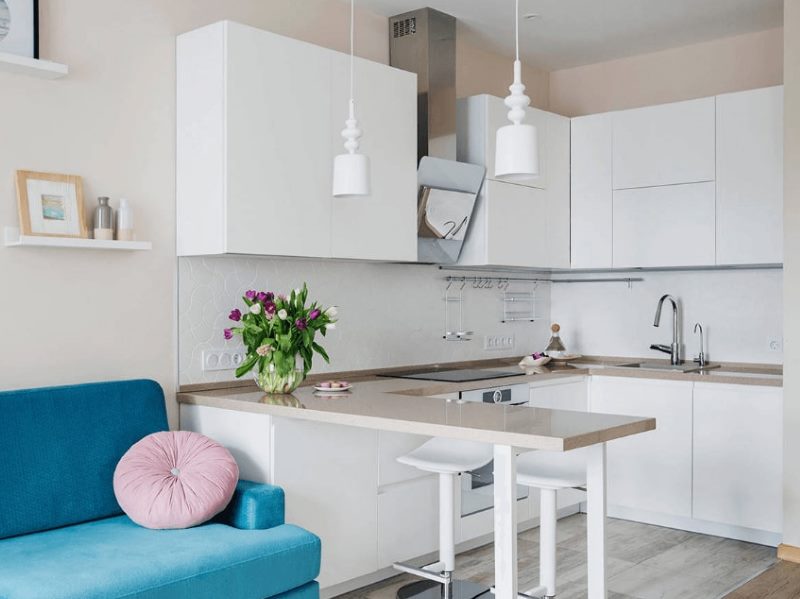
(278, 332)
(124, 221)
(534, 360)
(555, 348)
(103, 220)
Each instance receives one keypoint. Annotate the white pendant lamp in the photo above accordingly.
(516, 147)
(351, 170)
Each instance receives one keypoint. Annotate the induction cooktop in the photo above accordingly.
(462, 375)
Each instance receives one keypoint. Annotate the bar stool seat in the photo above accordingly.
(447, 458)
(550, 471)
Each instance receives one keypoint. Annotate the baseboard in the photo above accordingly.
(789, 553)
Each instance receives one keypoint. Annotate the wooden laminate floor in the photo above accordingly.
(644, 562)
(781, 581)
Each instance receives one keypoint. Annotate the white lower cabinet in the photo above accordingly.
(738, 455)
(651, 472)
(561, 394)
(408, 520)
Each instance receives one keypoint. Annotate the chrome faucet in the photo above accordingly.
(701, 357)
(673, 350)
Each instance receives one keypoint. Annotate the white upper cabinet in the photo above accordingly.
(591, 173)
(750, 177)
(259, 117)
(664, 226)
(524, 223)
(664, 145)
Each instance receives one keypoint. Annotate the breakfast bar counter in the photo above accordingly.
(400, 405)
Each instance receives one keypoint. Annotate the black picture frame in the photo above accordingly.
(24, 33)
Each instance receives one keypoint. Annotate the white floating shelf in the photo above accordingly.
(14, 239)
(44, 69)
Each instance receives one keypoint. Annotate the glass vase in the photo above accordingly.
(273, 382)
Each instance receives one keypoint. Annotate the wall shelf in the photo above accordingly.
(34, 67)
(14, 239)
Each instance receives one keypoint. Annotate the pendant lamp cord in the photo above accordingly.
(352, 27)
(516, 25)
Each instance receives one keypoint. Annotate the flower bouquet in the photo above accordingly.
(278, 331)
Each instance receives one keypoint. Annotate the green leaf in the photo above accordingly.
(318, 348)
(248, 364)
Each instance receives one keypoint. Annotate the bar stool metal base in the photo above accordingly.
(429, 589)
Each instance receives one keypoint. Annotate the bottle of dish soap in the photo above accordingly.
(555, 348)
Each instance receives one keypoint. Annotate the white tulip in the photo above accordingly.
(331, 326)
(332, 312)
(282, 314)
(255, 308)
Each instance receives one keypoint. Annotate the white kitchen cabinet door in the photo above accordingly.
(653, 471)
(664, 226)
(750, 177)
(568, 394)
(259, 117)
(592, 184)
(382, 225)
(408, 520)
(738, 455)
(390, 447)
(558, 190)
(330, 476)
(666, 144)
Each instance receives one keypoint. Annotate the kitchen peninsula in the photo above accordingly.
(402, 406)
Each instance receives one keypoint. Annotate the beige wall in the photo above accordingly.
(791, 270)
(730, 64)
(479, 71)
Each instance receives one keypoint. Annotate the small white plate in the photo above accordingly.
(566, 357)
(332, 389)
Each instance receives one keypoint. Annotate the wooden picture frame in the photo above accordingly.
(51, 205)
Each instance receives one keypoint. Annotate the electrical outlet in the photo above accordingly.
(222, 359)
(498, 342)
(776, 345)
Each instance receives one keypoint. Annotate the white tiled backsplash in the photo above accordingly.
(389, 314)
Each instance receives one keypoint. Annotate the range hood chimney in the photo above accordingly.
(424, 42)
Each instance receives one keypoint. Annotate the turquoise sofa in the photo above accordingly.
(63, 535)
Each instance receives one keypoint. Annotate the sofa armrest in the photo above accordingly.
(254, 506)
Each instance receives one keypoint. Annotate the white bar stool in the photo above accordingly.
(550, 471)
(447, 458)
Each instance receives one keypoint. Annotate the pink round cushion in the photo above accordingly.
(175, 480)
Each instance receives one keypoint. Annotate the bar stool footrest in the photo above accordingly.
(428, 589)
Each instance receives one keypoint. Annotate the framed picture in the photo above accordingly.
(50, 205)
(19, 27)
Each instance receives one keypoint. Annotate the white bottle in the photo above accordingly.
(124, 221)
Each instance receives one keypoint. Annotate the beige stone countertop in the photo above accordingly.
(407, 406)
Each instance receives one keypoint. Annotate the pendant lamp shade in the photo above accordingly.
(516, 145)
(351, 170)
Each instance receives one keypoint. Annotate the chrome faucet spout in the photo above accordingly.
(675, 347)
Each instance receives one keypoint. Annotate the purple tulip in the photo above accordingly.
(250, 294)
(301, 324)
(228, 334)
(262, 297)
(269, 296)
(235, 315)
(269, 307)
(314, 314)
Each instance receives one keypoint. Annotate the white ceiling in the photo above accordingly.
(570, 33)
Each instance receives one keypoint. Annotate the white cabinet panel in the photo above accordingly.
(738, 455)
(330, 476)
(259, 117)
(750, 177)
(390, 447)
(664, 145)
(516, 227)
(569, 394)
(382, 225)
(557, 151)
(664, 226)
(651, 471)
(408, 520)
(591, 174)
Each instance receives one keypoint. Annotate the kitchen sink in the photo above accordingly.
(686, 367)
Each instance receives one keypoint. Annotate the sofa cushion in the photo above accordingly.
(115, 558)
(175, 479)
(59, 447)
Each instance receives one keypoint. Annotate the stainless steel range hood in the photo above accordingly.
(424, 42)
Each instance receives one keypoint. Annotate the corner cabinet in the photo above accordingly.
(259, 117)
(525, 223)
